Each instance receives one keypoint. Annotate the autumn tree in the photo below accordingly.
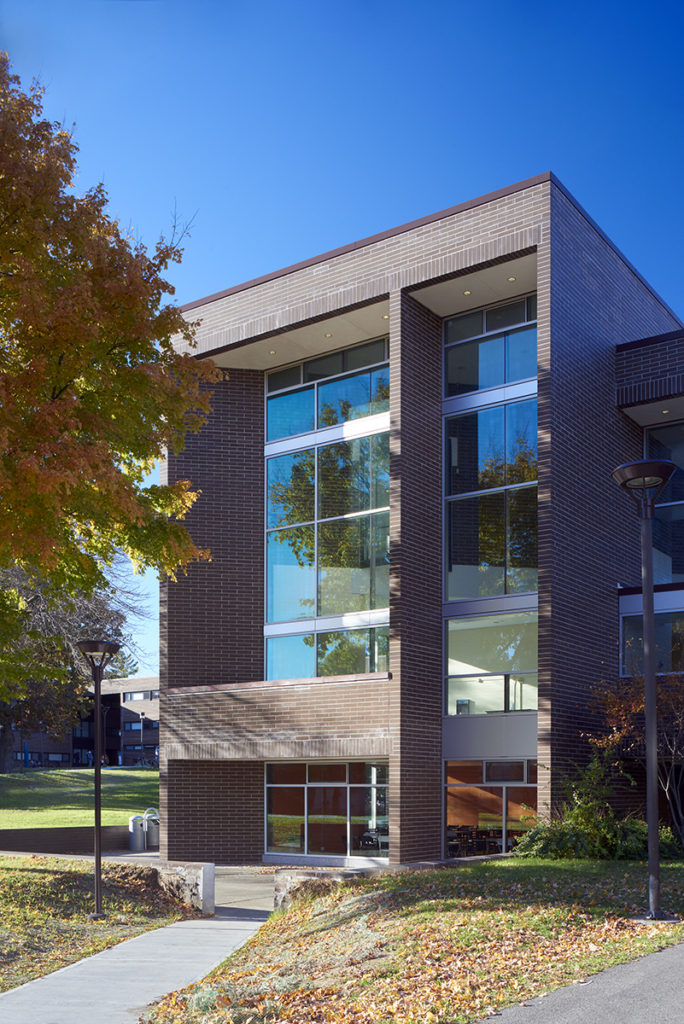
(54, 697)
(93, 389)
(622, 706)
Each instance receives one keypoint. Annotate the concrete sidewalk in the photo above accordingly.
(640, 992)
(116, 986)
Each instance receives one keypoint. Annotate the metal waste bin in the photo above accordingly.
(151, 827)
(136, 833)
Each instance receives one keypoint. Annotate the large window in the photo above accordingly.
(489, 348)
(667, 442)
(492, 664)
(327, 546)
(669, 643)
(330, 809)
(491, 511)
(327, 515)
(360, 388)
(338, 652)
(489, 805)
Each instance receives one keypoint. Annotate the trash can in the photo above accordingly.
(151, 827)
(136, 833)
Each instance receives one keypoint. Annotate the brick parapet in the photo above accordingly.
(650, 370)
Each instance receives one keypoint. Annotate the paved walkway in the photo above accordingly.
(645, 991)
(116, 986)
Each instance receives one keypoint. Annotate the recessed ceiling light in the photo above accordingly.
(327, 334)
(511, 280)
(467, 292)
(385, 316)
(665, 411)
(271, 352)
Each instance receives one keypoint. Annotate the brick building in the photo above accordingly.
(417, 545)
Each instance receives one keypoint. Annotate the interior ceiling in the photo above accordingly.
(349, 328)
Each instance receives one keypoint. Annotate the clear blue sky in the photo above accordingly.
(284, 130)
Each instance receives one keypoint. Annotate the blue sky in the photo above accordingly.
(284, 130)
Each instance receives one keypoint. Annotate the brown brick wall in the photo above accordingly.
(215, 812)
(415, 587)
(212, 619)
(650, 370)
(588, 533)
(297, 719)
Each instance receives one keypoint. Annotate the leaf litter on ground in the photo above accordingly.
(441, 947)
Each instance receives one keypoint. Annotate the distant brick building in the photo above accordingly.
(130, 731)
(417, 544)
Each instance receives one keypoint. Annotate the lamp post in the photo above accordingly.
(142, 744)
(644, 481)
(98, 654)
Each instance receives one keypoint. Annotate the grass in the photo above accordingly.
(441, 947)
(64, 797)
(44, 907)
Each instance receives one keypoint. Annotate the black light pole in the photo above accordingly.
(644, 481)
(142, 744)
(98, 654)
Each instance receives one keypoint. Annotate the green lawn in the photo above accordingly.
(65, 796)
(44, 907)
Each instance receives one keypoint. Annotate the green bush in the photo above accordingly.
(606, 839)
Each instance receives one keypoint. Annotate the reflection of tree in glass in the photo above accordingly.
(353, 397)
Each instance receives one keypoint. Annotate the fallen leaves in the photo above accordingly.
(442, 947)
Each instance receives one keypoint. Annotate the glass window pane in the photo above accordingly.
(344, 399)
(328, 772)
(353, 564)
(291, 413)
(668, 443)
(324, 366)
(668, 544)
(532, 772)
(474, 818)
(523, 692)
(521, 354)
(380, 470)
(474, 365)
(476, 547)
(369, 824)
(492, 643)
(463, 771)
(285, 820)
(506, 316)
(344, 652)
(669, 643)
(380, 388)
(521, 442)
(521, 812)
(327, 820)
(291, 577)
(475, 451)
(375, 773)
(290, 488)
(521, 536)
(284, 378)
(344, 572)
(504, 771)
(344, 478)
(287, 774)
(290, 657)
(365, 355)
(531, 307)
(461, 327)
(380, 649)
(475, 695)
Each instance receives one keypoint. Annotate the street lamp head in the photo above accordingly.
(644, 480)
(98, 652)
